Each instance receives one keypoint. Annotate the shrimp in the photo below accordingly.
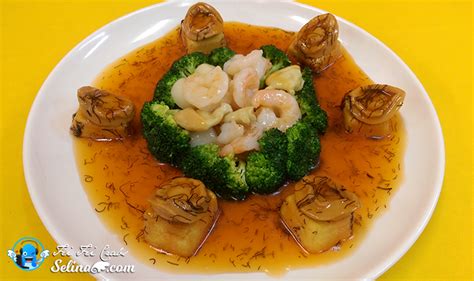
(242, 144)
(284, 106)
(228, 97)
(177, 93)
(178, 90)
(266, 119)
(203, 69)
(253, 60)
(244, 85)
(204, 137)
(229, 132)
(204, 89)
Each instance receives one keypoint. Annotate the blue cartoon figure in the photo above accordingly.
(27, 258)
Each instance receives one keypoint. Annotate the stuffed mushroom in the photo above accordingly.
(370, 109)
(319, 214)
(316, 45)
(202, 30)
(181, 215)
(102, 115)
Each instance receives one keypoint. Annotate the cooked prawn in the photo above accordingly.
(204, 137)
(177, 93)
(284, 106)
(244, 85)
(204, 89)
(242, 144)
(266, 119)
(229, 132)
(253, 60)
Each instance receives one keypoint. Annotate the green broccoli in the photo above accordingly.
(266, 169)
(220, 55)
(223, 175)
(276, 56)
(166, 140)
(187, 64)
(310, 110)
(303, 149)
(181, 68)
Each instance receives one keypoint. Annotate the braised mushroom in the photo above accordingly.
(102, 115)
(316, 44)
(181, 215)
(202, 30)
(319, 214)
(369, 109)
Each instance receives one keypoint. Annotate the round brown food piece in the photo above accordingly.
(316, 44)
(202, 29)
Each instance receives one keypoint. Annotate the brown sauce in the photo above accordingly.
(119, 176)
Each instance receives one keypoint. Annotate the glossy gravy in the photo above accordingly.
(119, 176)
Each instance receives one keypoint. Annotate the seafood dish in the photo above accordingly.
(229, 147)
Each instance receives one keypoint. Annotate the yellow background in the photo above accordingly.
(433, 37)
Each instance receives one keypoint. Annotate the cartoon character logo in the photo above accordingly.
(99, 267)
(25, 253)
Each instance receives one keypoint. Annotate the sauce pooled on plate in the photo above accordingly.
(119, 177)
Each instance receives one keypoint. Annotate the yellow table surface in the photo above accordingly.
(433, 37)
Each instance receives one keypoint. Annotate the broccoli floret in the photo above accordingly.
(186, 65)
(318, 119)
(303, 149)
(181, 68)
(220, 55)
(166, 140)
(266, 169)
(310, 110)
(223, 175)
(278, 59)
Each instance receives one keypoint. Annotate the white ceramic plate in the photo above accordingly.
(58, 196)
